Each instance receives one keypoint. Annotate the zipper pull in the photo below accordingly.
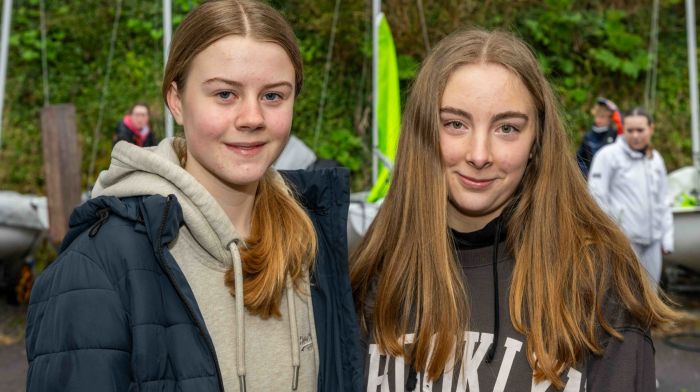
(103, 215)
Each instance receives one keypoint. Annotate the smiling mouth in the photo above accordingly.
(474, 183)
(246, 149)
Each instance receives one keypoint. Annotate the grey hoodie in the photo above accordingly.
(271, 354)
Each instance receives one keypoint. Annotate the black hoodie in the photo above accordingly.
(624, 366)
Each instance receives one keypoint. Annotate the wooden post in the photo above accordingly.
(61, 166)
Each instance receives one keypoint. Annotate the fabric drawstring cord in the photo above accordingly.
(412, 379)
(240, 322)
(496, 307)
(294, 334)
(240, 313)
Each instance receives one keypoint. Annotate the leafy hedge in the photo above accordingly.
(587, 48)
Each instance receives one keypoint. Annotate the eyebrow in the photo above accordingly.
(496, 117)
(234, 83)
(455, 111)
(510, 114)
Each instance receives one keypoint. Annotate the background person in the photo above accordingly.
(197, 268)
(628, 179)
(134, 127)
(489, 266)
(603, 132)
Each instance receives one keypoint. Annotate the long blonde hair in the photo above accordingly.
(569, 256)
(282, 241)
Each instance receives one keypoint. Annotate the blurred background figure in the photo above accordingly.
(134, 127)
(606, 126)
(628, 179)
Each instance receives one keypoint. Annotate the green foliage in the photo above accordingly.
(408, 67)
(587, 48)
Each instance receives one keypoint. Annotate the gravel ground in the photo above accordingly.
(13, 357)
(678, 370)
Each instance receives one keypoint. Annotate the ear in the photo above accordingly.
(175, 103)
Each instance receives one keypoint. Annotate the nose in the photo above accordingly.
(479, 150)
(250, 116)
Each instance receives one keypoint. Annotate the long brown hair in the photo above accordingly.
(282, 241)
(569, 256)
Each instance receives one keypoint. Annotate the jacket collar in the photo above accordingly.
(633, 154)
(160, 217)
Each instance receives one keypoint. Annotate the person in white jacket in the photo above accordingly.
(628, 179)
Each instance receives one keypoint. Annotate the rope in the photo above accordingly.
(44, 62)
(423, 26)
(327, 71)
(105, 92)
(650, 84)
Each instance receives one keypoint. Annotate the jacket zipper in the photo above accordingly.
(190, 311)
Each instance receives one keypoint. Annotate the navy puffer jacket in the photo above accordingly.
(114, 312)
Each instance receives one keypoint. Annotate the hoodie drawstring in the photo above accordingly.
(240, 322)
(240, 313)
(294, 334)
(496, 306)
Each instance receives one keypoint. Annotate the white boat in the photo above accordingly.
(361, 213)
(23, 220)
(686, 220)
(686, 224)
(23, 224)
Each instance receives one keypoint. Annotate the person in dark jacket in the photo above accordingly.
(489, 266)
(199, 267)
(134, 127)
(603, 132)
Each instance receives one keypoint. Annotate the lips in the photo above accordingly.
(246, 149)
(475, 183)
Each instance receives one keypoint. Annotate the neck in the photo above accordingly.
(238, 206)
(236, 201)
(463, 223)
(644, 150)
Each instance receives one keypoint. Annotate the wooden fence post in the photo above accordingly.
(61, 166)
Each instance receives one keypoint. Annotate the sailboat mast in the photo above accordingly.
(4, 45)
(693, 74)
(376, 14)
(167, 34)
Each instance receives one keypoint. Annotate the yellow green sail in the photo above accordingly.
(388, 108)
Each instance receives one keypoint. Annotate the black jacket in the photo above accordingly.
(114, 312)
(122, 132)
(592, 142)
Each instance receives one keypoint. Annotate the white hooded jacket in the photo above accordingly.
(631, 188)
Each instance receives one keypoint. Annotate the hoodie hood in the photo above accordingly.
(136, 171)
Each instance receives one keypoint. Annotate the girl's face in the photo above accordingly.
(236, 110)
(638, 132)
(487, 130)
(602, 119)
(139, 116)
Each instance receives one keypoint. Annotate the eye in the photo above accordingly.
(507, 129)
(454, 124)
(225, 95)
(272, 97)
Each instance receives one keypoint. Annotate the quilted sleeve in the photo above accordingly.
(78, 335)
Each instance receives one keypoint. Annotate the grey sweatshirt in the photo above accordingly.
(262, 353)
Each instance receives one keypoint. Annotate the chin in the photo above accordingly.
(237, 180)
